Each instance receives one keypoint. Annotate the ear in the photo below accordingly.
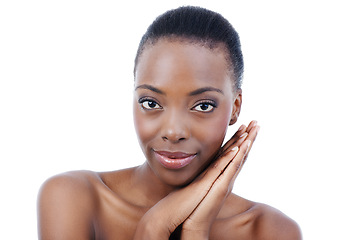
(236, 107)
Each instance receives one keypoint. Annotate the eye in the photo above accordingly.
(149, 104)
(205, 107)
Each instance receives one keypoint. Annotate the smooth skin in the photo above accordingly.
(184, 100)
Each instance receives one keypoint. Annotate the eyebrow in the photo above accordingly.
(205, 89)
(147, 86)
(192, 93)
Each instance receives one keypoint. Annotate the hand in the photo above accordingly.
(197, 205)
(198, 224)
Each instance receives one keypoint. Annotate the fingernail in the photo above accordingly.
(244, 134)
(235, 149)
(248, 145)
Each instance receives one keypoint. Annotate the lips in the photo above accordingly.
(174, 160)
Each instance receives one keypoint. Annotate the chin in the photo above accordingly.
(176, 179)
(178, 183)
(180, 177)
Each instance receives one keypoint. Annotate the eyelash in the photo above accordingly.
(212, 104)
(145, 100)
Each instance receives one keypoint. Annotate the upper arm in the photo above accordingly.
(65, 208)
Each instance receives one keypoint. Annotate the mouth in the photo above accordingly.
(174, 160)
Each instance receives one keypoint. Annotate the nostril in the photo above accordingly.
(174, 140)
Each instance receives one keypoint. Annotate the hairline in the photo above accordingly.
(209, 43)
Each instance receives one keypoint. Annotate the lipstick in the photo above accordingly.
(174, 160)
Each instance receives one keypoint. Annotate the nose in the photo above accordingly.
(175, 127)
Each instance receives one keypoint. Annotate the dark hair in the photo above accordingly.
(199, 26)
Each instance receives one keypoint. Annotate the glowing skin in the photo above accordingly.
(183, 103)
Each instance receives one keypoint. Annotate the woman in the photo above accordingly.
(187, 91)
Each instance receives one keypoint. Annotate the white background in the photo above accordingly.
(66, 102)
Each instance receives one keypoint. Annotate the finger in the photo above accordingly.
(181, 204)
(228, 145)
(217, 176)
(229, 163)
(221, 163)
(239, 165)
(217, 167)
(252, 137)
(240, 133)
(237, 139)
(236, 135)
(236, 164)
(221, 159)
(199, 189)
(251, 125)
(222, 186)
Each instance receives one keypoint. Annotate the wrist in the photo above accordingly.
(194, 235)
(192, 231)
(151, 228)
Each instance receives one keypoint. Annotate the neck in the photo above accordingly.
(147, 182)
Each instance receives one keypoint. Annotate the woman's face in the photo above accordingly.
(183, 104)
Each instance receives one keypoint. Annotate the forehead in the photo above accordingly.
(180, 62)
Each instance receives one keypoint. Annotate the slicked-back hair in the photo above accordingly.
(199, 26)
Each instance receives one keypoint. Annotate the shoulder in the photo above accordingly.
(68, 185)
(273, 224)
(66, 203)
(252, 220)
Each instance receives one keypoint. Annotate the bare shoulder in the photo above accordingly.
(66, 205)
(251, 220)
(273, 224)
(73, 176)
(68, 185)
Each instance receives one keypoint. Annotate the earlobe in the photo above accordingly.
(236, 108)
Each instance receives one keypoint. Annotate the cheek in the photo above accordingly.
(145, 128)
(214, 133)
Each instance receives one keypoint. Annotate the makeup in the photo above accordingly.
(174, 160)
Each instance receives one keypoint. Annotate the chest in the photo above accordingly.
(120, 223)
(116, 219)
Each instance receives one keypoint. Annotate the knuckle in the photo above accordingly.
(223, 190)
(238, 165)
